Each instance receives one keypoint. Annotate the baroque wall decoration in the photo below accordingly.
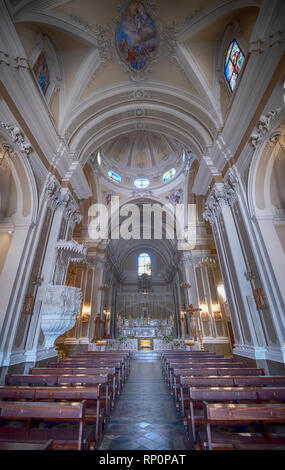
(18, 138)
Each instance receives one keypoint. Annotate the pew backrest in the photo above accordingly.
(219, 371)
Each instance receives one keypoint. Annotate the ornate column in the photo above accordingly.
(248, 335)
(268, 322)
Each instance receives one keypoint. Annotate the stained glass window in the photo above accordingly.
(233, 63)
(114, 176)
(144, 264)
(41, 72)
(169, 174)
(141, 183)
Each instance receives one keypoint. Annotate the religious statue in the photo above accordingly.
(192, 310)
(98, 322)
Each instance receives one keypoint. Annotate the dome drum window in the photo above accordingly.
(114, 176)
(169, 175)
(141, 183)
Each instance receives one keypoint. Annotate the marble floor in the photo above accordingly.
(144, 417)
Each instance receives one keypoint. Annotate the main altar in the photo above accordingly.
(145, 327)
(145, 314)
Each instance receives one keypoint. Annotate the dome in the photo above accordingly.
(141, 155)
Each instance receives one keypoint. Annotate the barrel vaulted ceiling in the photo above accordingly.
(145, 122)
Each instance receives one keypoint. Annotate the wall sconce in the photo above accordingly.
(204, 312)
(86, 311)
(216, 310)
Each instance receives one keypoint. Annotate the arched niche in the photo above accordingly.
(266, 194)
(18, 198)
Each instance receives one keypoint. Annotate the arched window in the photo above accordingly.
(114, 176)
(233, 64)
(47, 67)
(144, 264)
(41, 72)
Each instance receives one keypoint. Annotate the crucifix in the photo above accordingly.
(192, 310)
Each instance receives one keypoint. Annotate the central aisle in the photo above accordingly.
(144, 417)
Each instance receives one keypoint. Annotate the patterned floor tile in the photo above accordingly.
(144, 417)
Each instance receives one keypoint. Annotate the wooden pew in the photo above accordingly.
(95, 355)
(63, 381)
(184, 382)
(212, 372)
(111, 371)
(91, 395)
(204, 365)
(120, 365)
(234, 414)
(120, 371)
(197, 395)
(78, 438)
(186, 362)
(189, 356)
(25, 446)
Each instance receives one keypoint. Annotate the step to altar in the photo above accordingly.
(147, 356)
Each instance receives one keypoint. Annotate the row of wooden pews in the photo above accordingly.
(224, 404)
(64, 405)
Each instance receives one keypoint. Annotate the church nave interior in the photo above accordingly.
(142, 223)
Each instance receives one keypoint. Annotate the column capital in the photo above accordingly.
(222, 195)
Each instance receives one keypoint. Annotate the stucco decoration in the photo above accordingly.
(263, 127)
(60, 308)
(18, 138)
